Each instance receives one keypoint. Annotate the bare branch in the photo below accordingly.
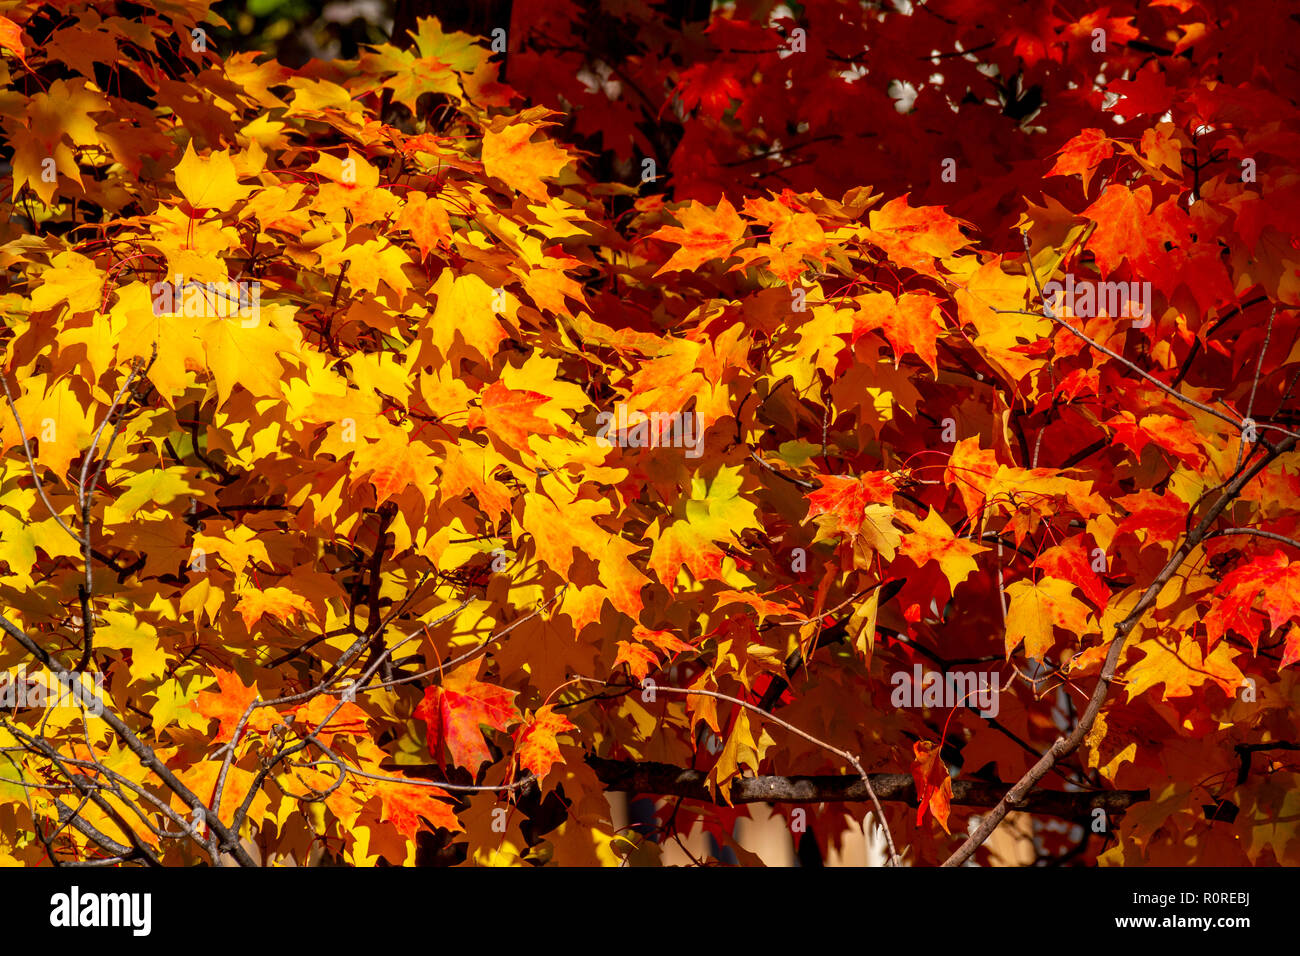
(1064, 746)
(648, 777)
(142, 750)
(842, 754)
(1257, 533)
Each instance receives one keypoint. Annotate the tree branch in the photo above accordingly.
(662, 779)
(137, 746)
(1064, 746)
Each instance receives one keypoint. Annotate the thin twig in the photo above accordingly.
(1257, 532)
(31, 461)
(842, 754)
(1064, 746)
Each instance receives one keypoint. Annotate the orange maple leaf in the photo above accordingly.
(640, 658)
(915, 236)
(911, 323)
(854, 512)
(1082, 154)
(405, 804)
(230, 702)
(455, 711)
(705, 234)
(280, 603)
(538, 749)
(971, 469)
(426, 220)
(347, 719)
(11, 38)
(845, 498)
(522, 164)
(393, 464)
(932, 540)
(509, 414)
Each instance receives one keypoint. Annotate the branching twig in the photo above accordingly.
(844, 755)
(648, 777)
(1064, 746)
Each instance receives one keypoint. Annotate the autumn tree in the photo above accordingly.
(856, 409)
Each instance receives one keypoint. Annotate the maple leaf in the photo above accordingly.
(247, 357)
(1182, 670)
(971, 470)
(158, 487)
(741, 750)
(716, 511)
(911, 323)
(1072, 561)
(466, 308)
(426, 219)
(209, 182)
(845, 499)
(279, 603)
(1082, 154)
(1272, 576)
(347, 719)
(1160, 517)
(915, 236)
(53, 119)
(796, 236)
(229, 703)
(454, 713)
(509, 414)
(512, 156)
(1128, 228)
(1145, 93)
(407, 806)
(61, 425)
(710, 86)
(1002, 335)
(559, 532)
(933, 783)
(71, 278)
(1163, 147)
(11, 38)
(1178, 436)
(1035, 608)
(201, 779)
(1291, 650)
(932, 540)
(639, 658)
(537, 748)
(704, 234)
(392, 464)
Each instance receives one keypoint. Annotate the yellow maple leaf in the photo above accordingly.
(466, 308)
(932, 540)
(71, 278)
(1034, 608)
(56, 425)
(1184, 670)
(209, 182)
(511, 156)
(280, 603)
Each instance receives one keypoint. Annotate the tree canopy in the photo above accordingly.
(858, 408)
